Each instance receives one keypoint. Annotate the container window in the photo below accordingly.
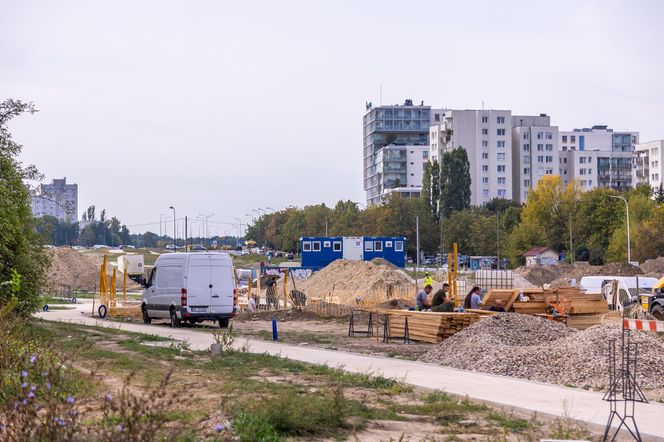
(368, 246)
(316, 246)
(306, 246)
(378, 246)
(398, 246)
(388, 244)
(326, 244)
(337, 246)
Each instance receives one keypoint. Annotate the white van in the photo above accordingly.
(627, 288)
(191, 287)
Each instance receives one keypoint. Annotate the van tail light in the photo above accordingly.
(183, 298)
(234, 296)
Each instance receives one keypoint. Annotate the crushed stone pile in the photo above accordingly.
(654, 267)
(354, 276)
(559, 275)
(533, 348)
(71, 270)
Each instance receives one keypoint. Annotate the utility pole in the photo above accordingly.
(175, 231)
(185, 234)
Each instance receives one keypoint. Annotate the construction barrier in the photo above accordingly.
(643, 325)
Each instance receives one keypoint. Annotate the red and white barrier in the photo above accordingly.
(641, 324)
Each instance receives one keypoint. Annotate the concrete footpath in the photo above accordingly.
(511, 393)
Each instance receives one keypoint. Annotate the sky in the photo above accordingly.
(227, 107)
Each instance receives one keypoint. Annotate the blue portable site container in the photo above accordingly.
(319, 251)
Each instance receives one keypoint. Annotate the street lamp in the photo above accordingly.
(175, 221)
(206, 218)
(239, 231)
(629, 254)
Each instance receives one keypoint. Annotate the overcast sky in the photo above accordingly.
(222, 107)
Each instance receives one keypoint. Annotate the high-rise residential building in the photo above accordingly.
(57, 199)
(534, 152)
(650, 163)
(598, 157)
(404, 129)
(486, 135)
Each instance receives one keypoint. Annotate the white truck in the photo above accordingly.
(191, 287)
(629, 288)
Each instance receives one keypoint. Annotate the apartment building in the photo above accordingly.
(534, 152)
(598, 157)
(405, 130)
(649, 167)
(57, 199)
(487, 137)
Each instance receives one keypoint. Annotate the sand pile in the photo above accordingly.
(654, 267)
(559, 275)
(345, 277)
(533, 348)
(71, 270)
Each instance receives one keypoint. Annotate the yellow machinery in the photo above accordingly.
(452, 269)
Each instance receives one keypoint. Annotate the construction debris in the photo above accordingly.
(529, 347)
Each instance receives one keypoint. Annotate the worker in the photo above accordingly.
(428, 280)
(422, 298)
(441, 301)
(497, 306)
(271, 293)
(473, 299)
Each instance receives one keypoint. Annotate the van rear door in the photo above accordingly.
(198, 284)
(222, 284)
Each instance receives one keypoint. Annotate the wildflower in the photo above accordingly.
(109, 397)
(48, 386)
(219, 428)
(24, 384)
(33, 387)
(59, 421)
(73, 412)
(31, 395)
(119, 428)
(24, 374)
(70, 399)
(33, 359)
(24, 402)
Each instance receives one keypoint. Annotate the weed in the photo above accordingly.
(252, 428)
(510, 423)
(226, 340)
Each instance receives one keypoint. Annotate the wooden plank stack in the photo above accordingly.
(429, 327)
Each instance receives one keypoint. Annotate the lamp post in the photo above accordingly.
(206, 218)
(239, 231)
(175, 223)
(629, 254)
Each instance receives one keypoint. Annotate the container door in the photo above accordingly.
(198, 284)
(222, 285)
(353, 248)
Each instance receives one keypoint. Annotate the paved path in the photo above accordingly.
(544, 399)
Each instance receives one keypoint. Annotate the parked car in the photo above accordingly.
(290, 256)
(191, 287)
(198, 248)
(238, 248)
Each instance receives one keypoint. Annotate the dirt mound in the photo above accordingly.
(537, 349)
(654, 267)
(560, 275)
(71, 270)
(396, 304)
(544, 274)
(349, 277)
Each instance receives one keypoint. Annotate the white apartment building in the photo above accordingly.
(534, 152)
(57, 199)
(598, 157)
(487, 137)
(400, 169)
(649, 168)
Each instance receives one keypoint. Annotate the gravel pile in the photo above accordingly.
(528, 347)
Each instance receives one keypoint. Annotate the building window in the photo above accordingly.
(327, 244)
(500, 120)
(485, 168)
(485, 180)
(549, 136)
(540, 147)
(582, 160)
(485, 143)
(502, 193)
(525, 135)
(485, 156)
(501, 144)
(526, 147)
(316, 246)
(336, 246)
(501, 180)
(485, 131)
(501, 168)
(540, 159)
(549, 159)
(526, 171)
(388, 244)
(398, 246)
(500, 132)
(485, 192)
(526, 183)
(378, 246)
(485, 119)
(501, 156)
(425, 154)
(572, 138)
(582, 171)
(564, 138)
(549, 147)
(306, 246)
(368, 246)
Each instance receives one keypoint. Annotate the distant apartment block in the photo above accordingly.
(394, 136)
(486, 135)
(649, 167)
(534, 152)
(57, 199)
(598, 157)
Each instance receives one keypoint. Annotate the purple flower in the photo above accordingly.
(33, 359)
(109, 397)
(73, 412)
(48, 386)
(24, 402)
(70, 399)
(59, 421)
(24, 374)
(31, 395)
(219, 428)
(33, 387)
(24, 384)
(119, 428)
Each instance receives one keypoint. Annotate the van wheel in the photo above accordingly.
(175, 321)
(658, 312)
(223, 323)
(146, 318)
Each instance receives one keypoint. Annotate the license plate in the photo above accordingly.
(199, 309)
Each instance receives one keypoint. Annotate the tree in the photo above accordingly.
(435, 189)
(425, 194)
(22, 259)
(91, 213)
(454, 181)
(659, 194)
